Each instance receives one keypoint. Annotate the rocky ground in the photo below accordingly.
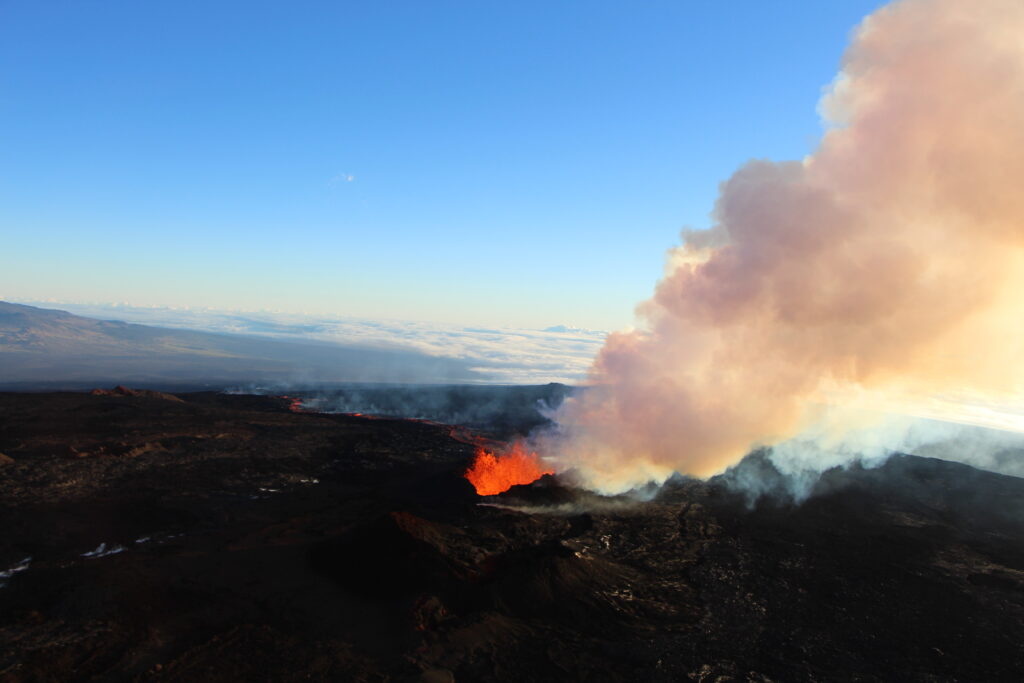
(212, 537)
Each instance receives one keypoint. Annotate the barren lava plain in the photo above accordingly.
(214, 537)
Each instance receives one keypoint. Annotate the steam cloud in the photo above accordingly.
(883, 270)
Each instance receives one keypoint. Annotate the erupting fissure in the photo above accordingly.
(491, 473)
(294, 403)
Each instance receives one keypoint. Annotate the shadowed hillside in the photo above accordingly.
(205, 537)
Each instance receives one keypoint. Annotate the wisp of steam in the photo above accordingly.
(877, 274)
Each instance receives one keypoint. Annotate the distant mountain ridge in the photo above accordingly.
(502, 354)
(39, 345)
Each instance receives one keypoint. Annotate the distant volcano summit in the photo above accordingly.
(45, 347)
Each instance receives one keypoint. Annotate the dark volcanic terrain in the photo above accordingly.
(213, 537)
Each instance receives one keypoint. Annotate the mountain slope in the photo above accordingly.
(40, 345)
(210, 537)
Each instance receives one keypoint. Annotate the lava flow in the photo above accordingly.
(294, 404)
(491, 473)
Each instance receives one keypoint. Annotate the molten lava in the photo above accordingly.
(294, 404)
(492, 473)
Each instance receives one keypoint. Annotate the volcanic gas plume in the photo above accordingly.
(884, 269)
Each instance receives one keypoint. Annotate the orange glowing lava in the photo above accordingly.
(294, 404)
(491, 474)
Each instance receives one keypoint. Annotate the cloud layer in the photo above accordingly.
(501, 355)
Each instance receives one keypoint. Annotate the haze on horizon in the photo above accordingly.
(524, 165)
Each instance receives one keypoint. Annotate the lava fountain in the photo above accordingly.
(492, 473)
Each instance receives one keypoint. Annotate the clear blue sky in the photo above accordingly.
(522, 163)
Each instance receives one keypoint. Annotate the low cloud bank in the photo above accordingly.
(499, 355)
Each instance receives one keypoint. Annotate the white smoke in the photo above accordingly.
(882, 271)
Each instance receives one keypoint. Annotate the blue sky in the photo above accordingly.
(477, 162)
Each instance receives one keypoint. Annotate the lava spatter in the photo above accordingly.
(492, 473)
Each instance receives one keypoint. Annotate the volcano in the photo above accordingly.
(151, 536)
(41, 347)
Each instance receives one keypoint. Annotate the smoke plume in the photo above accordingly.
(879, 272)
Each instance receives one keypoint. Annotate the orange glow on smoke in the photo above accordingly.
(491, 474)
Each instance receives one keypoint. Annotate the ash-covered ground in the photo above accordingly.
(225, 537)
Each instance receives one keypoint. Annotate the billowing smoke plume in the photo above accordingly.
(884, 270)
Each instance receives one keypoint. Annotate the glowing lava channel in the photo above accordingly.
(491, 474)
